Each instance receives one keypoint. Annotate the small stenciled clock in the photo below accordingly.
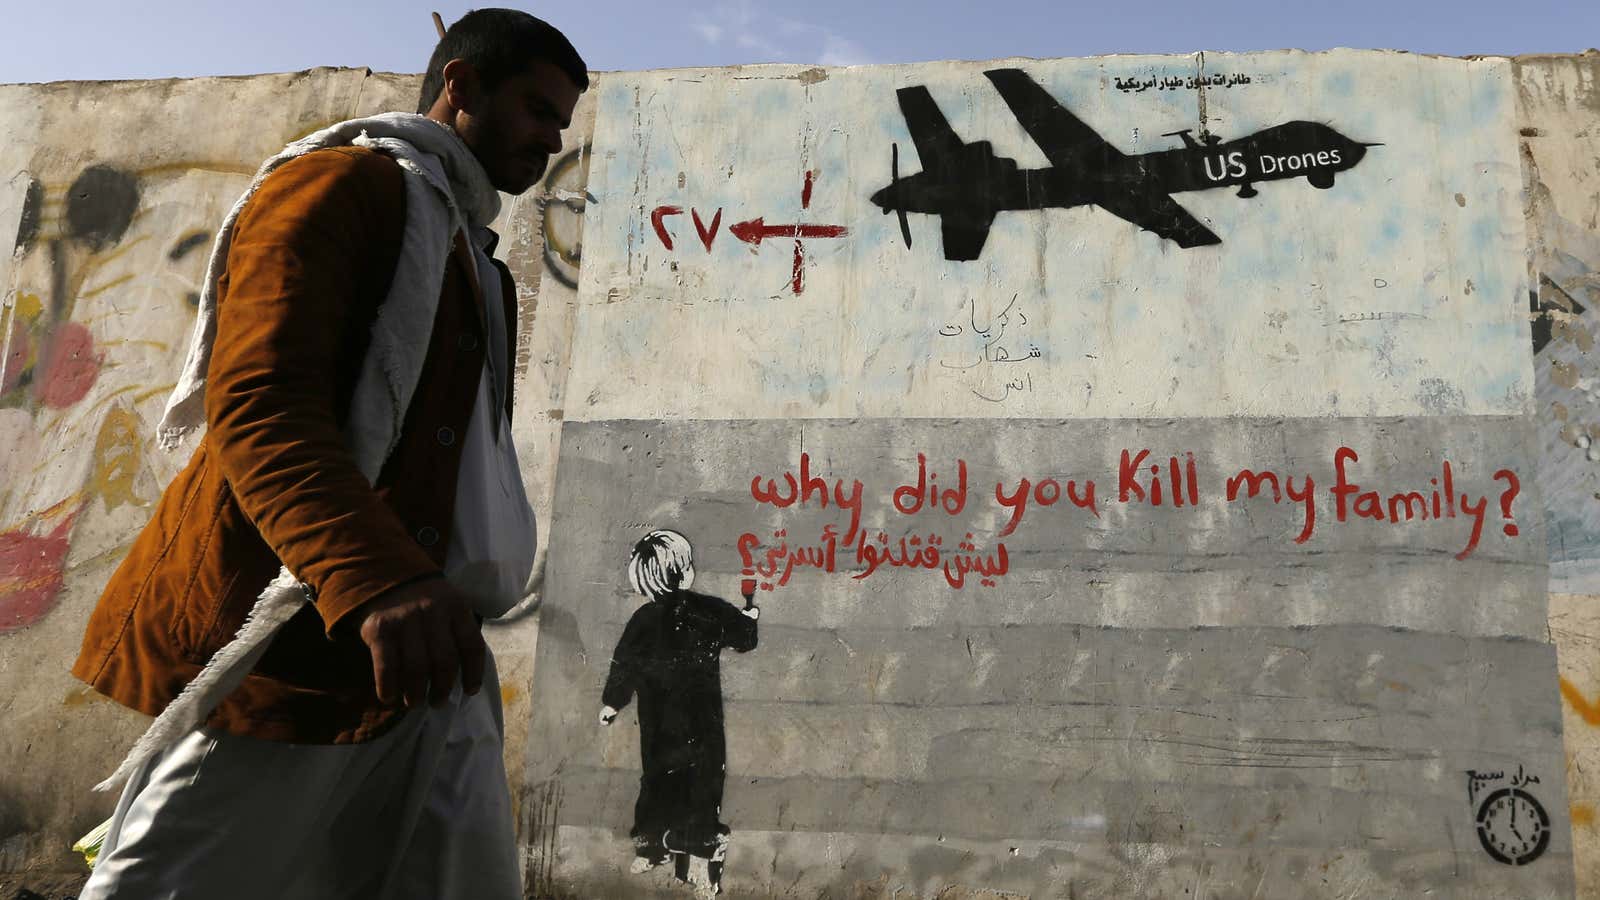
(1513, 826)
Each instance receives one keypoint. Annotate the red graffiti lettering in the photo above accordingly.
(657, 221)
(707, 235)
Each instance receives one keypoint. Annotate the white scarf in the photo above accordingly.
(446, 189)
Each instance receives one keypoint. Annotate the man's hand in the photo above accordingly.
(420, 636)
(607, 715)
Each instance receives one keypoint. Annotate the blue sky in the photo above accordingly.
(70, 39)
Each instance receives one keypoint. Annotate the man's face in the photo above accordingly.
(516, 128)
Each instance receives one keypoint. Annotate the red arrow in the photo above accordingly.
(757, 230)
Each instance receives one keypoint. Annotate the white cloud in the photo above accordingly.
(839, 51)
(793, 26)
(751, 41)
(708, 32)
(776, 38)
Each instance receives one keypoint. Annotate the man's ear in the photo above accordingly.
(461, 85)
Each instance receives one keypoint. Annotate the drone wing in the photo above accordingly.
(937, 143)
(1064, 138)
(1159, 213)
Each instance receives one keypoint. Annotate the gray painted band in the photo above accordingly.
(1135, 565)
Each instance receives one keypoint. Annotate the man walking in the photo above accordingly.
(303, 611)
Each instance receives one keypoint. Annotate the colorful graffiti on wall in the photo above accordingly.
(92, 257)
(562, 200)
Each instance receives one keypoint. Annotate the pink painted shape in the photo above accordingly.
(32, 571)
(72, 367)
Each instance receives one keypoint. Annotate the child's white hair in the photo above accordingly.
(662, 562)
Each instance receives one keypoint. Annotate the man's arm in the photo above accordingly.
(314, 228)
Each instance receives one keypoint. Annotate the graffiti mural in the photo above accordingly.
(95, 257)
(668, 658)
(1108, 542)
(562, 200)
(966, 184)
(50, 360)
(1104, 297)
(1185, 525)
(754, 231)
(1513, 826)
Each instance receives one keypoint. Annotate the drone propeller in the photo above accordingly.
(894, 178)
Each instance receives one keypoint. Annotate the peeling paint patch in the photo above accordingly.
(1438, 396)
(1564, 374)
(1564, 327)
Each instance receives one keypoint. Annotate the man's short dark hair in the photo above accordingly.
(500, 43)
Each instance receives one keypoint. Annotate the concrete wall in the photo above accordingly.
(1196, 695)
(1558, 118)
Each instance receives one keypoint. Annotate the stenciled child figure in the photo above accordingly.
(670, 658)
